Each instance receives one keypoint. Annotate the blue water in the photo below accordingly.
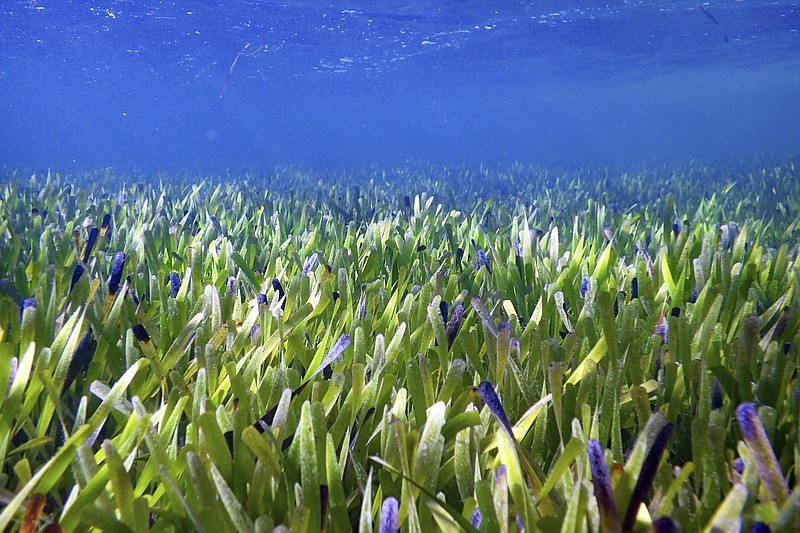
(248, 84)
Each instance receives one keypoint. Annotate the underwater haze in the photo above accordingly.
(251, 83)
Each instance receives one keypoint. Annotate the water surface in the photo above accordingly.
(242, 84)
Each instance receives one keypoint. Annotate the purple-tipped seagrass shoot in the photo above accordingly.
(77, 272)
(278, 288)
(140, 334)
(716, 395)
(603, 493)
(174, 284)
(443, 309)
(81, 359)
(646, 475)
(116, 273)
(309, 264)
(586, 284)
(27, 303)
(486, 390)
(757, 441)
(665, 524)
(476, 518)
(105, 227)
(454, 324)
(90, 242)
(483, 261)
(389, 516)
(336, 352)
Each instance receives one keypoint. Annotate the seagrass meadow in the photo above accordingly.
(417, 348)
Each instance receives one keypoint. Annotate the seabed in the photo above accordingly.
(423, 348)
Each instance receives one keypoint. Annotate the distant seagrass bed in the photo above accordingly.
(419, 347)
